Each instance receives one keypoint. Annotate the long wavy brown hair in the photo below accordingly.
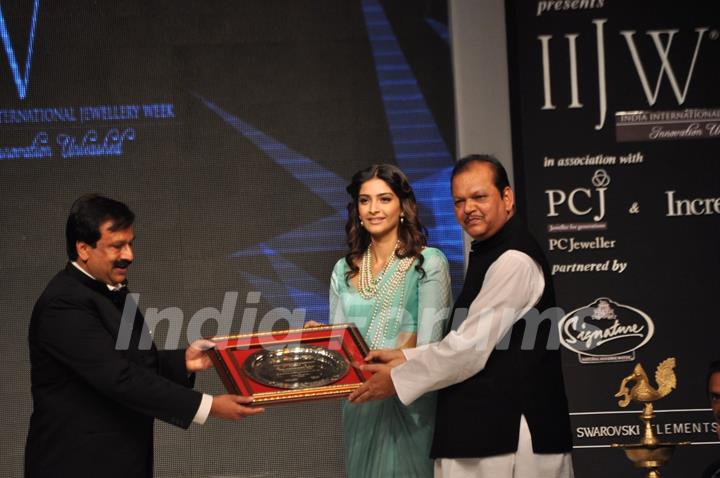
(412, 235)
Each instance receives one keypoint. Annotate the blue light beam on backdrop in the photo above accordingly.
(419, 151)
(21, 81)
(419, 148)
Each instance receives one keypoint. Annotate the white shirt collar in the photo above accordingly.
(110, 287)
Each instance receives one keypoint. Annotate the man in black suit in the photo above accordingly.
(713, 388)
(94, 402)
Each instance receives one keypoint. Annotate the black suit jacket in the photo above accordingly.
(93, 405)
(712, 471)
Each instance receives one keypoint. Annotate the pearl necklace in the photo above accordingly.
(367, 284)
(382, 311)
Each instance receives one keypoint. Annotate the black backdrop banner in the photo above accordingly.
(231, 129)
(616, 129)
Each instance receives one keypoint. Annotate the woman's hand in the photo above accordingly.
(391, 357)
(312, 323)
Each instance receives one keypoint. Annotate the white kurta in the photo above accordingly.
(513, 285)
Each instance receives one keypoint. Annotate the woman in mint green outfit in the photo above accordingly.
(397, 291)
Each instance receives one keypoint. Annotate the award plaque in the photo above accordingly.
(292, 365)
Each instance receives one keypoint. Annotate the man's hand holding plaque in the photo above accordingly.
(233, 407)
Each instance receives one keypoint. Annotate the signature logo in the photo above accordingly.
(606, 331)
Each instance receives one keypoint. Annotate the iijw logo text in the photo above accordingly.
(662, 41)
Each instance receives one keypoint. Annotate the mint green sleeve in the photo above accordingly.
(434, 297)
(336, 312)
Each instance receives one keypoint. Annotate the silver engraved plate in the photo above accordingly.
(297, 366)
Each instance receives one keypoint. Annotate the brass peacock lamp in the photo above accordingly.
(650, 453)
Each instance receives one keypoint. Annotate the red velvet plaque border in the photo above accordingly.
(231, 352)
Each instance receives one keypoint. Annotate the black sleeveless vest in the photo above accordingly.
(480, 416)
